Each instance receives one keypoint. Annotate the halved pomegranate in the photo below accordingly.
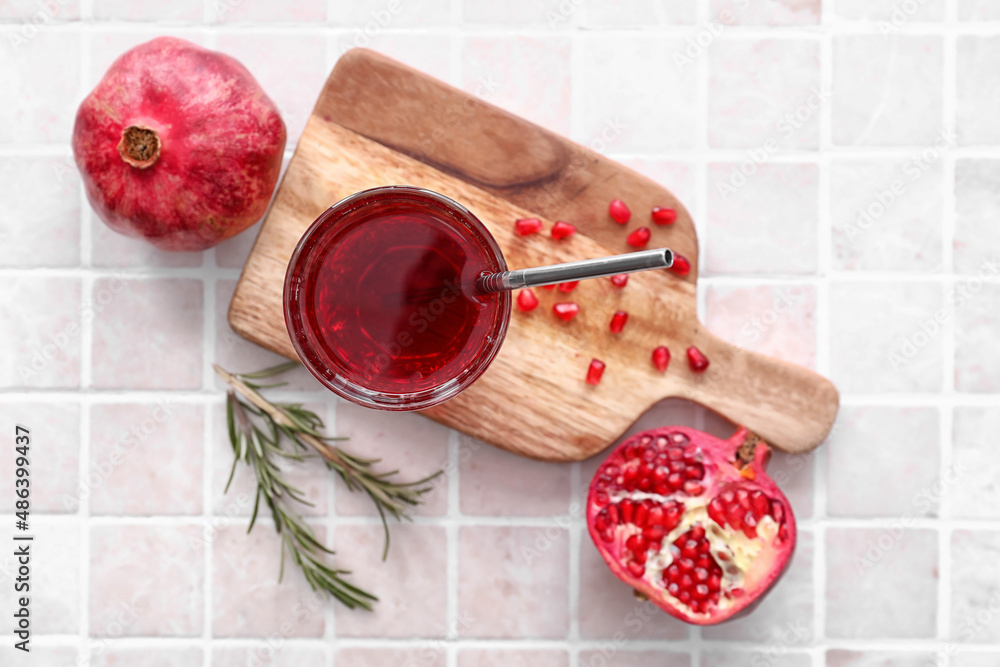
(692, 522)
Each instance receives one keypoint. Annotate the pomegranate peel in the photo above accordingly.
(674, 515)
(178, 145)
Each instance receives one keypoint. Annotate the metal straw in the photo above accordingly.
(661, 258)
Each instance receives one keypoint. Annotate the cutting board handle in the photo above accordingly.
(790, 407)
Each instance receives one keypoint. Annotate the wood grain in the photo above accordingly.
(381, 123)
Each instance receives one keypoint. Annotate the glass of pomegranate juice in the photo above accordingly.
(381, 302)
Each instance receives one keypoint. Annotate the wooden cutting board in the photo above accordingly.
(378, 122)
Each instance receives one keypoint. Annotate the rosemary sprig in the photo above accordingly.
(257, 429)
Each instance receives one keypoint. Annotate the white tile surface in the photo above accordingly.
(684, 91)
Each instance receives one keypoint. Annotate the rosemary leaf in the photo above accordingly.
(257, 428)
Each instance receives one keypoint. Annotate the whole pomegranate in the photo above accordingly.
(691, 521)
(178, 145)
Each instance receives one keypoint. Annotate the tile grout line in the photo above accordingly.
(823, 326)
(208, 415)
(702, 83)
(330, 625)
(577, 129)
(575, 539)
(946, 414)
(865, 523)
(452, 536)
(823, 331)
(208, 276)
(208, 430)
(86, 372)
(453, 531)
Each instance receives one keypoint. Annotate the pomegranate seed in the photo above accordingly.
(639, 238)
(635, 569)
(761, 504)
(594, 372)
(526, 226)
(661, 358)
(549, 287)
(681, 265)
(619, 280)
(562, 230)
(695, 576)
(641, 515)
(626, 507)
(696, 360)
(619, 211)
(526, 300)
(693, 488)
(566, 311)
(568, 287)
(618, 321)
(664, 216)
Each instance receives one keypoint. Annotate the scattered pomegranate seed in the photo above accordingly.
(561, 230)
(619, 211)
(639, 238)
(681, 265)
(661, 358)
(526, 300)
(618, 321)
(620, 280)
(696, 360)
(566, 311)
(595, 371)
(526, 226)
(664, 216)
(568, 287)
(548, 287)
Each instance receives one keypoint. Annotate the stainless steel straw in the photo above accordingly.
(645, 260)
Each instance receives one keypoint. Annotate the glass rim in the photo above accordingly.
(295, 321)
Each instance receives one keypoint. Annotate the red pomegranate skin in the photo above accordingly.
(221, 141)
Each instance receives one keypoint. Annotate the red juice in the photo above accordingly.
(380, 298)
